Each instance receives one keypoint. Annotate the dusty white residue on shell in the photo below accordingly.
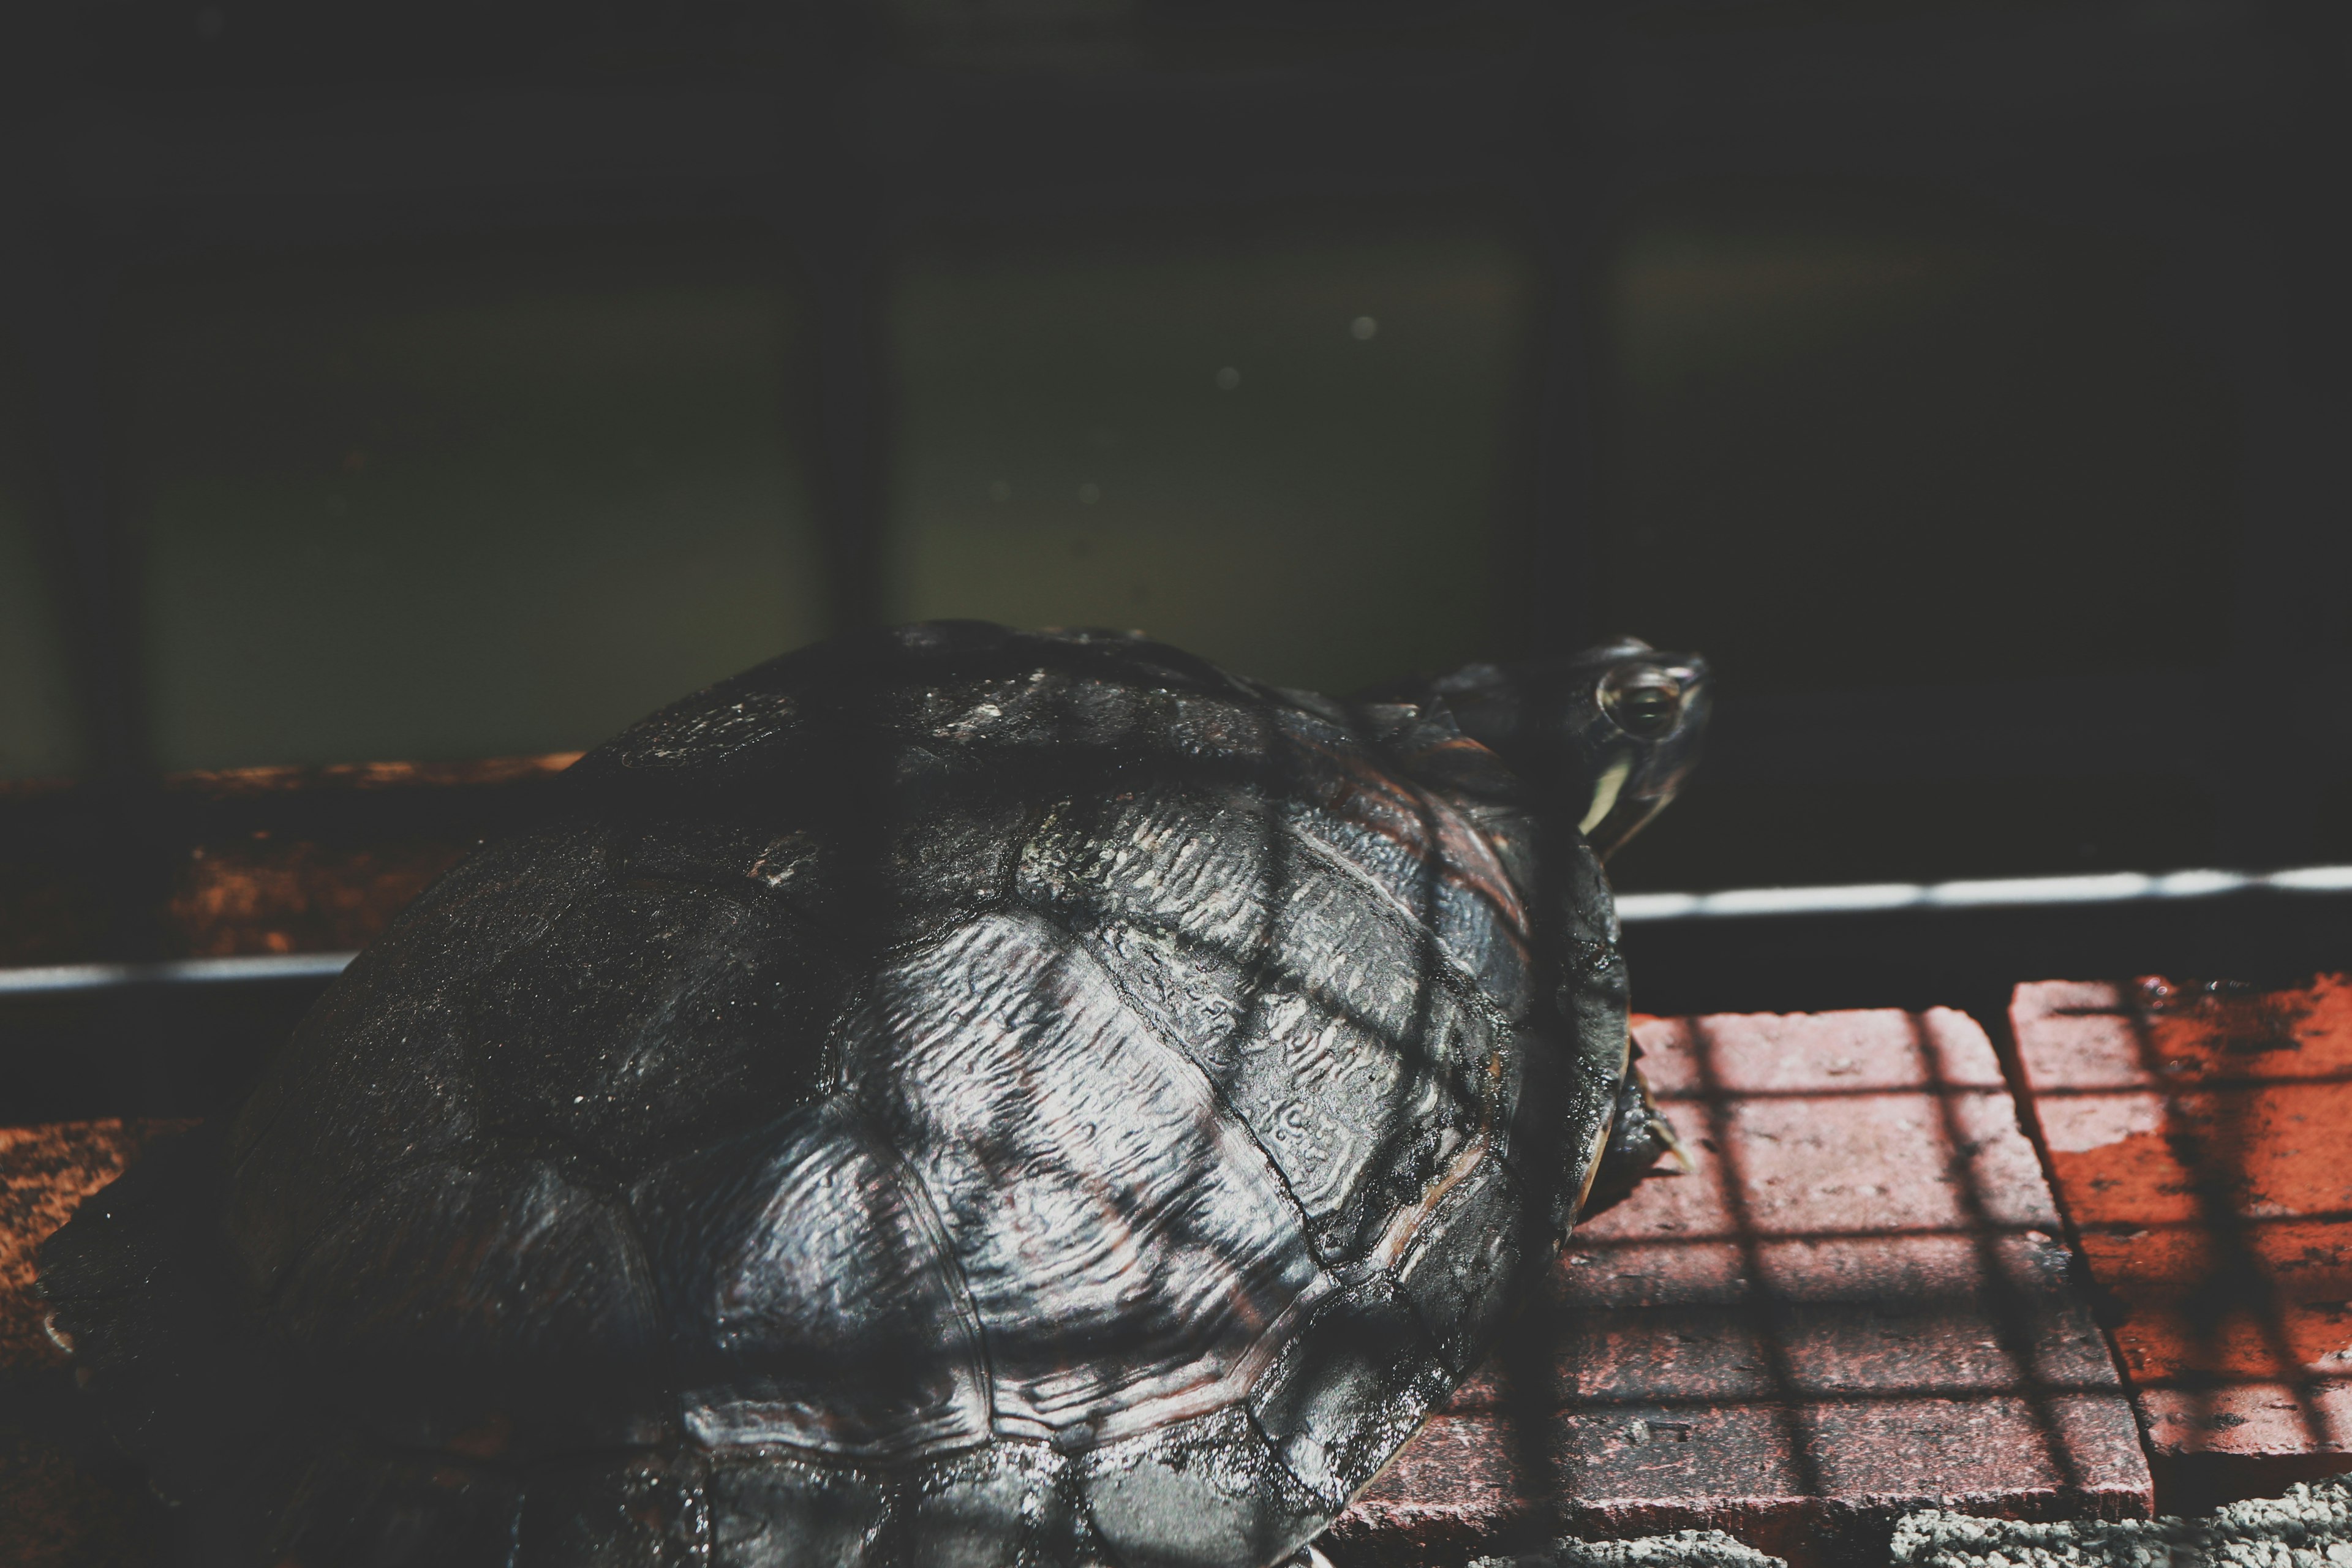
(973, 724)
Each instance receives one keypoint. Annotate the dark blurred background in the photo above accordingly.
(447, 381)
(428, 382)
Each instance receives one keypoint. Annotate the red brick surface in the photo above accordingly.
(55, 1511)
(45, 1174)
(2201, 1140)
(1856, 1305)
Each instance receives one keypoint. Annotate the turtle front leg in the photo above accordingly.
(1638, 1136)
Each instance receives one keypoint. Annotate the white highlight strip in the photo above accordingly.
(1733, 903)
(2315, 880)
(2006, 892)
(1806, 900)
(56, 977)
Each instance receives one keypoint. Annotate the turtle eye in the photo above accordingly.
(1646, 705)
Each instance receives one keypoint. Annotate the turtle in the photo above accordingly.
(949, 1096)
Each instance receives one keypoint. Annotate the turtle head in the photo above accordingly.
(1605, 736)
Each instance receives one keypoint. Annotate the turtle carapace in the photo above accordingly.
(949, 1096)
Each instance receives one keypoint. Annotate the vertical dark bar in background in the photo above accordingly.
(837, 216)
(59, 307)
(1550, 556)
(61, 284)
(843, 268)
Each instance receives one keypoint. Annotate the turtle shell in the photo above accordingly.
(948, 1097)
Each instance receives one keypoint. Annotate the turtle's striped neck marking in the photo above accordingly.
(1604, 794)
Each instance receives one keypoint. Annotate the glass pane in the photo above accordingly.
(1861, 442)
(1282, 456)
(36, 725)
(488, 506)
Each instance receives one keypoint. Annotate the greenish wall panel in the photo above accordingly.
(1859, 438)
(459, 523)
(1283, 456)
